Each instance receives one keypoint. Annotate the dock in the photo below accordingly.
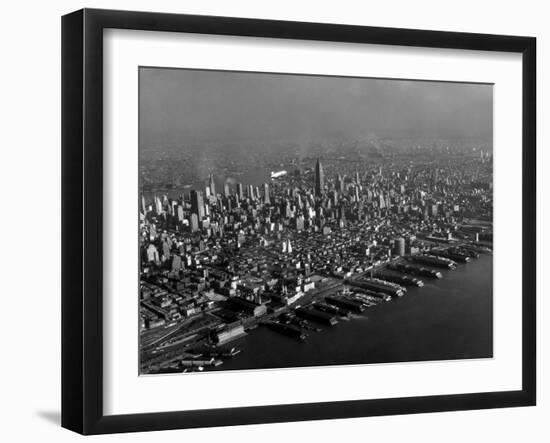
(346, 303)
(316, 315)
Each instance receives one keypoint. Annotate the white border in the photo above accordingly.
(125, 392)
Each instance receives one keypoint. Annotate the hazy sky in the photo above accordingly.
(179, 106)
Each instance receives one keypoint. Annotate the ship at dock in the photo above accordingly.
(400, 279)
(371, 296)
(454, 255)
(287, 329)
(407, 268)
(310, 313)
(477, 248)
(466, 251)
(345, 303)
(432, 260)
(331, 309)
(378, 285)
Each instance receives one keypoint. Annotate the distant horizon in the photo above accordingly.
(298, 140)
(188, 106)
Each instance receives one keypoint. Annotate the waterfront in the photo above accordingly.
(450, 318)
(244, 269)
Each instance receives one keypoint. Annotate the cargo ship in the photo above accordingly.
(447, 253)
(316, 315)
(400, 279)
(207, 351)
(369, 300)
(233, 352)
(200, 363)
(331, 309)
(469, 252)
(477, 248)
(371, 295)
(415, 270)
(286, 329)
(346, 303)
(432, 260)
(377, 285)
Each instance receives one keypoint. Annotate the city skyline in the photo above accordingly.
(278, 254)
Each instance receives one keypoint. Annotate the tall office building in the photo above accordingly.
(194, 223)
(143, 206)
(381, 202)
(266, 194)
(197, 204)
(212, 186)
(240, 191)
(299, 223)
(340, 183)
(319, 179)
(356, 192)
(285, 209)
(287, 246)
(399, 246)
(152, 253)
(158, 205)
(226, 190)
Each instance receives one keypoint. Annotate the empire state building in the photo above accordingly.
(319, 179)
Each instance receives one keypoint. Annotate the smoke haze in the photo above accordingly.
(179, 106)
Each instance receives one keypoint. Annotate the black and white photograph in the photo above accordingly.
(266, 222)
(289, 220)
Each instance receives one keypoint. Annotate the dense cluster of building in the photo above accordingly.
(219, 258)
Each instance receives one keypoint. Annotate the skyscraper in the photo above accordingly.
(143, 206)
(356, 193)
(240, 191)
(340, 183)
(158, 205)
(319, 179)
(399, 246)
(299, 223)
(285, 209)
(212, 186)
(194, 223)
(381, 202)
(266, 194)
(197, 204)
(152, 253)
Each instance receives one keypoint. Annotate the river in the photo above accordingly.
(450, 318)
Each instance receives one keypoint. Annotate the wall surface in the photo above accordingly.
(30, 178)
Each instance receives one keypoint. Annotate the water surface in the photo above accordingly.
(450, 318)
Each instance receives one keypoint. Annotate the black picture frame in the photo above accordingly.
(82, 190)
